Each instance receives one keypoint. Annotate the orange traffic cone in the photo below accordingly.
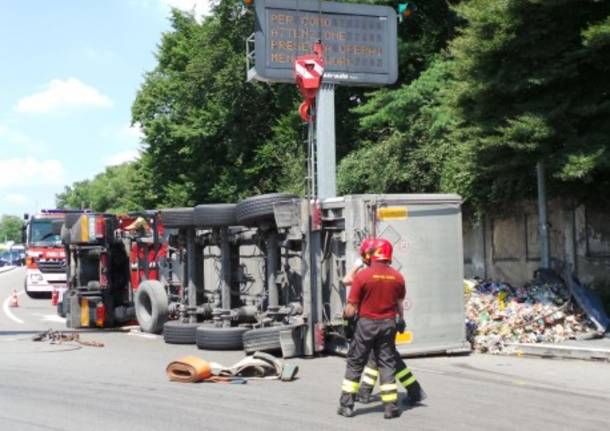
(14, 302)
(54, 297)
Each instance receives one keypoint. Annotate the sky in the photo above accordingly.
(69, 72)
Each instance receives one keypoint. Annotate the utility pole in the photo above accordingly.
(325, 142)
(543, 225)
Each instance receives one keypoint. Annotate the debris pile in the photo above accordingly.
(497, 314)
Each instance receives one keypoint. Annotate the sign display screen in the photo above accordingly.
(359, 40)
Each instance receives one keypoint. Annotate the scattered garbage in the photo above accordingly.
(57, 337)
(191, 369)
(498, 314)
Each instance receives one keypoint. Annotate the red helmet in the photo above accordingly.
(367, 247)
(375, 249)
(382, 250)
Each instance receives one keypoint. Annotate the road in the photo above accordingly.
(122, 386)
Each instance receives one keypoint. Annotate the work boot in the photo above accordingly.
(348, 412)
(415, 395)
(390, 411)
(364, 397)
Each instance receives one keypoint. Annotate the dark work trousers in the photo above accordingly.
(403, 374)
(371, 336)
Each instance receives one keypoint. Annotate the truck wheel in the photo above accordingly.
(259, 208)
(35, 295)
(177, 217)
(264, 339)
(215, 215)
(151, 305)
(62, 307)
(177, 332)
(213, 338)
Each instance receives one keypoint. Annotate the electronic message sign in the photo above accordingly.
(359, 40)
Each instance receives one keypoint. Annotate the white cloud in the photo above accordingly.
(122, 157)
(199, 7)
(130, 132)
(30, 172)
(13, 138)
(15, 199)
(64, 94)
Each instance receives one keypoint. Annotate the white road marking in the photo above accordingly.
(143, 335)
(53, 318)
(8, 313)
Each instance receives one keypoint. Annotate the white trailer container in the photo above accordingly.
(426, 232)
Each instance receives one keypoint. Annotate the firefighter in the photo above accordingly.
(377, 294)
(404, 375)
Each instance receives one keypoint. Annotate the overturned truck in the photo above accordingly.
(265, 273)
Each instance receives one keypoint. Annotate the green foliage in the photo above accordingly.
(207, 128)
(281, 162)
(118, 189)
(486, 89)
(411, 124)
(532, 87)
(10, 228)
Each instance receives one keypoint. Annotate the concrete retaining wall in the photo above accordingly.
(505, 246)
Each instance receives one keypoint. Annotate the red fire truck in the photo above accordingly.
(45, 255)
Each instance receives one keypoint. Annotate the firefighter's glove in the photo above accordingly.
(401, 325)
(349, 327)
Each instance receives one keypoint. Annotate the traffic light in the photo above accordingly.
(248, 3)
(406, 9)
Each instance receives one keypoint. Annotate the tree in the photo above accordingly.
(204, 124)
(411, 123)
(532, 87)
(401, 129)
(10, 228)
(119, 188)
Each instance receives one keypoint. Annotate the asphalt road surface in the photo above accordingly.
(122, 386)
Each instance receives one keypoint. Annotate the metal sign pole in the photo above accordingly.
(325, 142)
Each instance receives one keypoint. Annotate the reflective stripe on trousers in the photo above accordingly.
(389, 393)
(369, 376)
(350, 387)
(406, 377)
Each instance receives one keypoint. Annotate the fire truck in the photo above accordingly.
(45, 256)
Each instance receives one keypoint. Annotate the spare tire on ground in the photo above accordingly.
(214, 338)
(258, 209)
(264, 339)
(178, 332)
(177, 217)
(151, 305)
(215, 215)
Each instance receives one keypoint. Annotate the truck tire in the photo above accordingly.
(178, 332)
(264, 339)
(256, 209)
(63, 306)
(151, 305)
(213, 338)
(177, 217)
(215, 215)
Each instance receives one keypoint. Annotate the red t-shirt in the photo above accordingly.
(376, 290)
